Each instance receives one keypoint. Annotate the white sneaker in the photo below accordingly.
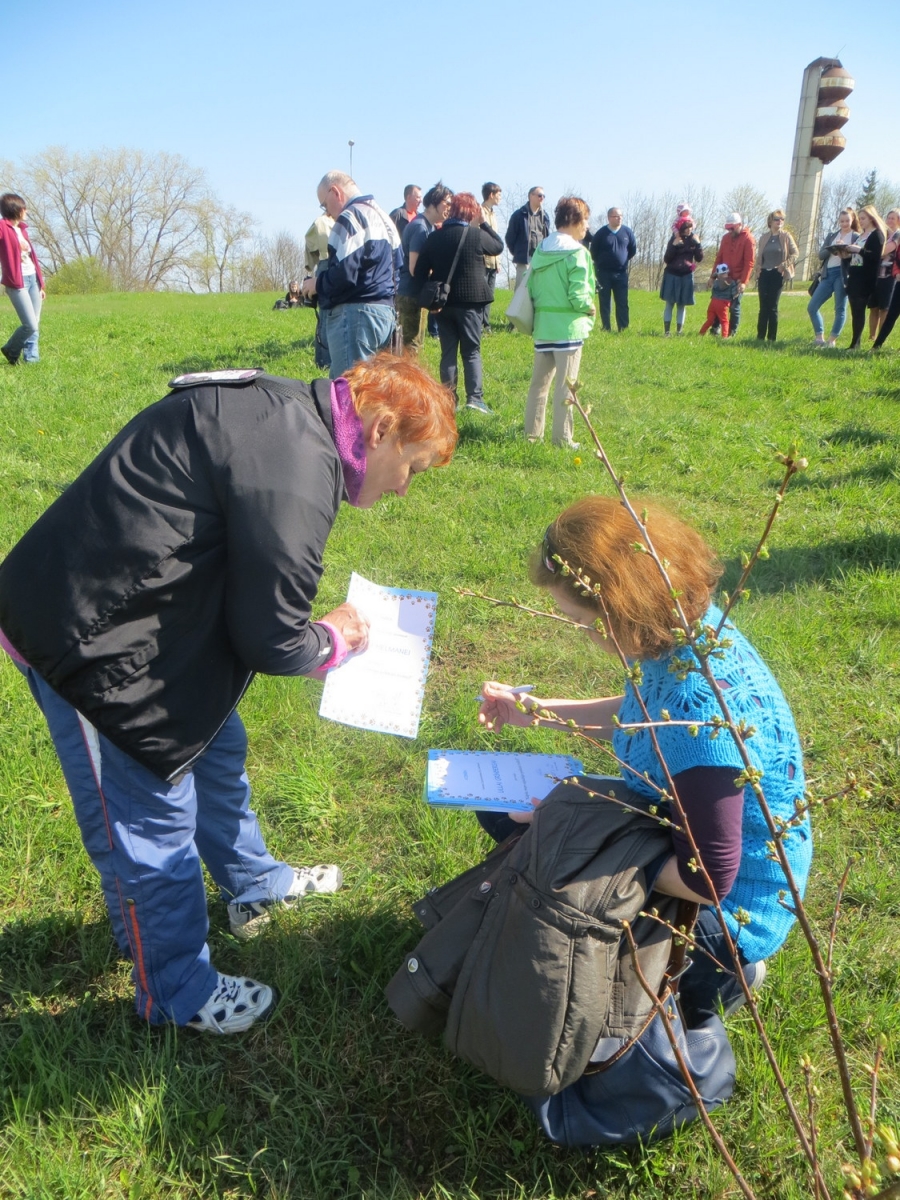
(234, 1006)
(247, 920)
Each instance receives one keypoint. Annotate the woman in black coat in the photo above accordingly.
(682, 255)
(860, 266)
(461, 320)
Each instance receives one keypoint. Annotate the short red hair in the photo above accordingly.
(420, 408)
(597, 537)
(464, 207)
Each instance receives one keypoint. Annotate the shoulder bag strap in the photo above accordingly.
(456, 255)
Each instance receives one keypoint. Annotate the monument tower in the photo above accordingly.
(826, 85)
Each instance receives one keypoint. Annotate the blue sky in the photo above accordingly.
(618, 98)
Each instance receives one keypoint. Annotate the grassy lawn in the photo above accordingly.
(332, 1098)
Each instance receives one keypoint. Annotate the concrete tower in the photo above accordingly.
(822, 112)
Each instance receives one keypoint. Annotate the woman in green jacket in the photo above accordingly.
(561, 284)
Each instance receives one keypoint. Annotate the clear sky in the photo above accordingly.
(601, 99)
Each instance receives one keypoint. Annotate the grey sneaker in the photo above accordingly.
(755, 974)
(480, 406)
(247, 920)
(234, 1006)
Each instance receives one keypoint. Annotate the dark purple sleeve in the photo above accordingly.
(714, 809)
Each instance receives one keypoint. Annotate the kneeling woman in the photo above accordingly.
(597, 536)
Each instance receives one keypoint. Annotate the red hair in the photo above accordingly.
(597, 537)
(420, 408)
(464, 207)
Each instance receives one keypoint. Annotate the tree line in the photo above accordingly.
(133, 221)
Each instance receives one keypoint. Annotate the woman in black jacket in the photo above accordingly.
(184, 559)
(861, 268)
(461, 320)
(682, 255)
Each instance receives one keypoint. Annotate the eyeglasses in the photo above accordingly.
(540, 195)
(778, 219)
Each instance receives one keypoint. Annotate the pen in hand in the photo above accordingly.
(522, 690)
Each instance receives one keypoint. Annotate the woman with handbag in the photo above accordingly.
(597, 536)
(452, 281)
(829, 280)
(860, 267)
(561, 285)
(776, 255)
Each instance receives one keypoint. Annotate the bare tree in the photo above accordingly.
(705, 209)
(222, 232)
(283, 258)
(751, 203)
(138, 215)
(650, 217)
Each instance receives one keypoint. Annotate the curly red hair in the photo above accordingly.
(464, 207)
(597, 536)
(420, 408)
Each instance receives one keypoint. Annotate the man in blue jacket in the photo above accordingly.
(356, 287)
(612, 249)
(527, 228)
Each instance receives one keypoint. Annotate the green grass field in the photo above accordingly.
(332, 1098)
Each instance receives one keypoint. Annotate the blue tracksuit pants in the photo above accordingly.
(147, 838)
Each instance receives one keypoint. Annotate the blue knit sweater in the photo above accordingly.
(752, 694)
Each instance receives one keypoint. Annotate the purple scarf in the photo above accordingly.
(348, 438)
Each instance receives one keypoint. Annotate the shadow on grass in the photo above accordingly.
(798, 566)
(243, 356)
(855, 435)
(330, 1096)
(876, 473)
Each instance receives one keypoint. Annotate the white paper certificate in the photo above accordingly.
(382, 689)
(496, 781)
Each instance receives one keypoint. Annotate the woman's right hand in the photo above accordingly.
(499, 706)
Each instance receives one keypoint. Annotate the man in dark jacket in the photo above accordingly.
(527, 228)
(612, 249)
(184, 559)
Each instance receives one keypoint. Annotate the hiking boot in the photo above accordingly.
(247, 920)
(13, 361)
(234, 1006)
(755, 974)
(480, 406)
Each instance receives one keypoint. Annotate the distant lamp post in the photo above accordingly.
(351, 144)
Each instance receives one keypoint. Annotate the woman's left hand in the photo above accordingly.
(524, 818)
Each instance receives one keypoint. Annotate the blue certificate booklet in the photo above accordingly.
(494, 782)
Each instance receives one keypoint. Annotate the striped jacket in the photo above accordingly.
(364, 257)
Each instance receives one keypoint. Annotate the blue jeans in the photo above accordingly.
(147, 838)
(832, 282)
(356, 331)
(613, 284)
(27, 303)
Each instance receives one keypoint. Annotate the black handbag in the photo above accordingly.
(814, 282)
(435, 293)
